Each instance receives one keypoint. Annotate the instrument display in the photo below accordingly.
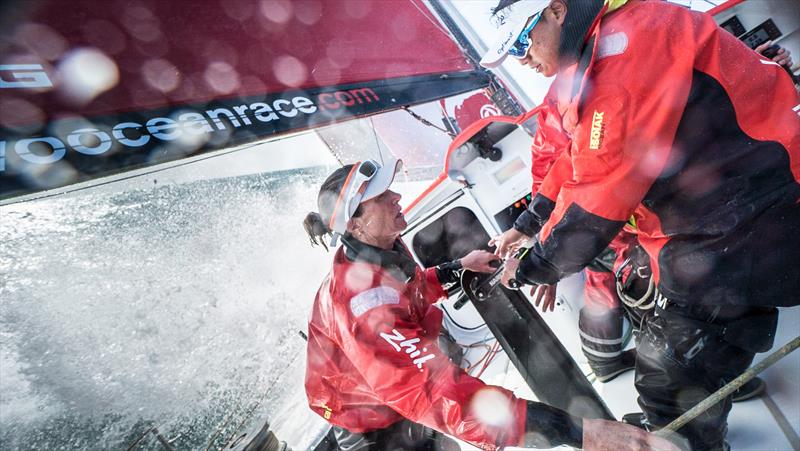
(508, 171)
(762, 33)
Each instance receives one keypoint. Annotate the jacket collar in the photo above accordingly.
(397, 261)
(582, 16)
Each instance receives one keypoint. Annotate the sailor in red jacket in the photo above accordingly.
(374, 368)
(601, 318)
(675, 122)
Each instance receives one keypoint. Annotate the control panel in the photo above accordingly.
(765, 31)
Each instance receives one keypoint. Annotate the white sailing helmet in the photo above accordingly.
(512, 20)
(366, 180)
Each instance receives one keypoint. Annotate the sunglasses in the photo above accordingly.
(365, 172)
(351, 194)
(519, 49)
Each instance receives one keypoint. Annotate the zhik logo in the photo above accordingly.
(24, 76)
(398, 342)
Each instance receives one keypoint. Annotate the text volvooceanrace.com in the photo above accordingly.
(192, 126)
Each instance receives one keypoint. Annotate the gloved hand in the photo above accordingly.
(548, 427)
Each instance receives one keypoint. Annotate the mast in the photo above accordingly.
(507, 102)
(499, 95)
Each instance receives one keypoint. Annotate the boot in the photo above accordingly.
(602, 341)
(606, 371)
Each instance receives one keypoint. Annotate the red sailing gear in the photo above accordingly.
(550, 140)
(549, 143)
(682, 125)
(373, 358)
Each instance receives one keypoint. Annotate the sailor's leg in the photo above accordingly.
(601, 342)
(600, 321)
(353, 441)
(678, 365)
(405, 435)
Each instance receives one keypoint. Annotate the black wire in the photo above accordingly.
(459, 325)
(427, 122)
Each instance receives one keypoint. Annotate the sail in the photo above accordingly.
(89, 88)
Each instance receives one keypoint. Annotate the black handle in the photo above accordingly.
(460, 301)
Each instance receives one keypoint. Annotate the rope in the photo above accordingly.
(154, 430)
(140, 438)
(223, 426)
(260, 400)
(490, 356)
(377, 142)
(731, 387)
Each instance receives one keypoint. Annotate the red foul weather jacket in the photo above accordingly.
(676, 122)
(549, 143)
(373, 357)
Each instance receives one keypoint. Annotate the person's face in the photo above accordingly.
(545, 39)
(381, 218)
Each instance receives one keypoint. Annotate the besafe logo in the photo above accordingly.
(400, 342)
(24, 76)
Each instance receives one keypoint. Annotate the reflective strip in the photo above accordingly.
(601, 341)
(601, 354)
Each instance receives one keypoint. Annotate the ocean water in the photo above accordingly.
(176, 307)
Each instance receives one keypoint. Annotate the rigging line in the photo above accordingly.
(161, 169)
(333, 152)
(446, 32)
(728, 388)
(140, 438)
(431, 19)
(427, 122)
(377, 143)
(239, 406)
(479, 361)
(258, 403)
(224, 425)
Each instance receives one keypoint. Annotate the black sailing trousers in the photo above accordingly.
(686, 353)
